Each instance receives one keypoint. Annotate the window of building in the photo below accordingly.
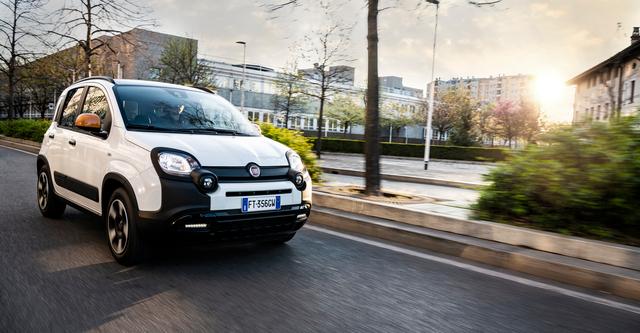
(598, 113)
(606, 111)
(633, 91)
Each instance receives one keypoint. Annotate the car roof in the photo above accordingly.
(129, 82)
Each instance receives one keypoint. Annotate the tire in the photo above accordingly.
(123, 236)
(49, 203)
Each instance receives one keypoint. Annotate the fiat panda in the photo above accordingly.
(152, 157)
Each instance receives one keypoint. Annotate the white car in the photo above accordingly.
(149, 156)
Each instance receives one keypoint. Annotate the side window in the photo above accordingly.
(74, 98)
(96, 102)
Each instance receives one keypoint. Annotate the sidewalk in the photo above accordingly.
(447, 173)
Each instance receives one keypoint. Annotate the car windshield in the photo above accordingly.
(168, 109)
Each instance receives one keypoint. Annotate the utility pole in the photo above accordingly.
(427, 141)
(244, 68)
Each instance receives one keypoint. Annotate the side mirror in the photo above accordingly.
(89, 122)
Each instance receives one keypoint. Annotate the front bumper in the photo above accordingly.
(187, 211)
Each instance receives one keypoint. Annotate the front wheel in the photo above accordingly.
(49, 203)
(122, 231)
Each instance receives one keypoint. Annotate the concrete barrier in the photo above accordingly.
(602, 252)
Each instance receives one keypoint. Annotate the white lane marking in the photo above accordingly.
(477, 269)
(20, 150)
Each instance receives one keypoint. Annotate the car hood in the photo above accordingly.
(216, 150)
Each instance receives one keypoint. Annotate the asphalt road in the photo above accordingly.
(58, 275)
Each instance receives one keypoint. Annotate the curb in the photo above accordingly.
(26, 145)
(406, 179)
(615, 280)
(409, 158)
(574, 247)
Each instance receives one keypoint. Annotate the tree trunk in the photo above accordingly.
(319, 141)
(372, 136)
(87, 49)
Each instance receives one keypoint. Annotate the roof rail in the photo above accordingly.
(106, 78)
(204, 89)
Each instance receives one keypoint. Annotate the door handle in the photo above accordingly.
(51, 135)
(72, 142)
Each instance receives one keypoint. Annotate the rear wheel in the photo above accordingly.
(49, 203)
(122, 231)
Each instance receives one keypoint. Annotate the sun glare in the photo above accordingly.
(549, 88)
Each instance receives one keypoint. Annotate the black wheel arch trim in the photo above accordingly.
(124, 182)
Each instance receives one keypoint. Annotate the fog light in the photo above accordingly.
(208, 182)
(298, 179)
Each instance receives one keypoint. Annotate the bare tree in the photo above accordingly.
(17, 29)
(289, 97)
(91, 24)
(372, 135)
(326, 51)
(179, 63)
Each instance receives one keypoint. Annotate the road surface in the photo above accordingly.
(58, 275)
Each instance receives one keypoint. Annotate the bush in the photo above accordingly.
(296, 141)
(28, 129)
(581, 181)
(417, 150)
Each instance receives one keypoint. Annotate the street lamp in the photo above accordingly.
(244, 68)
(427, 141)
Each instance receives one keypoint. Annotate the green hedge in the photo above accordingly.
(417, 150)
(28, 129)
(296, 141)
(582, 181)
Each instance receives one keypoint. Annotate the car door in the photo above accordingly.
(57, 140)
(91, 150)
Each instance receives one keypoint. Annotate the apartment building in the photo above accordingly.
(609, 88)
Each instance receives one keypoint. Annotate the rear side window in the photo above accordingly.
(74, 98)
(96, 102)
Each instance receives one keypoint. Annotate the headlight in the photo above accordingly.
(295, 162)
(177, 164)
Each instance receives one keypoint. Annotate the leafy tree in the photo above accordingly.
(509, 120)
(17, 29)
(463, 111)
(444, 112)
(345, 110)
(395, 116)
(179, 64)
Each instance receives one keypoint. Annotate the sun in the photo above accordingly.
(549, 88)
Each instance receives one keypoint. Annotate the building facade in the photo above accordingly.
(609, 88)
(261, 89)
(487, 90)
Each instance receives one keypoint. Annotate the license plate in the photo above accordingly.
(256, 204)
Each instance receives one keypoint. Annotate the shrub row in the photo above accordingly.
(27, 129)
(417, 150)
(583, 181)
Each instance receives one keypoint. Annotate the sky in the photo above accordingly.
(552, 39)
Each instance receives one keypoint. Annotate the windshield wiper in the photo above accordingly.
(217, 131)
(157, 128)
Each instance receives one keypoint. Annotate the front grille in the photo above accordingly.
(250, 193)
(241, 174)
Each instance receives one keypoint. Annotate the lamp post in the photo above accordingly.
(427, 141)
(244, 68)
